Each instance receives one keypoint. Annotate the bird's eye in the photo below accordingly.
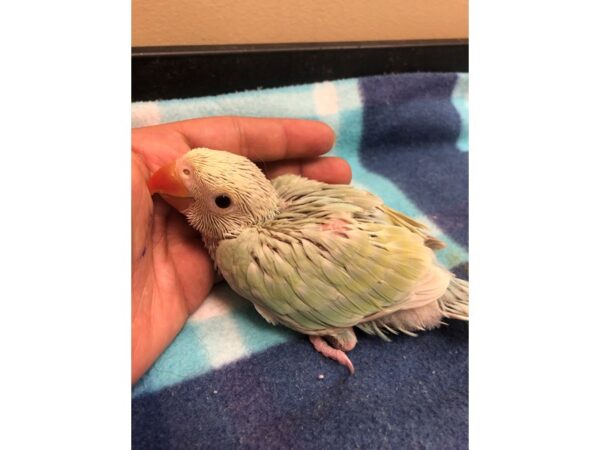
(222, 201)
(186, 171)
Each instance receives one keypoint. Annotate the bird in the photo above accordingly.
(321, 259)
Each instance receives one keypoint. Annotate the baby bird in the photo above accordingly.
(317, 258)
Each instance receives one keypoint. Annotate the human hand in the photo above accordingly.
(171, 271)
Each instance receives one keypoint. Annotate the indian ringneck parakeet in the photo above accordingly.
(317, 258)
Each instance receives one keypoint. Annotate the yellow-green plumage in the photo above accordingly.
(320, 258)
(316, 280)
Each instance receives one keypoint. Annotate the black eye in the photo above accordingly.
(222, 201)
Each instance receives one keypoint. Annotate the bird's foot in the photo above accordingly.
(325, 349)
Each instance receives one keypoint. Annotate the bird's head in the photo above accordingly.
(219, 192)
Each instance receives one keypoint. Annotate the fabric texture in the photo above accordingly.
(231, 380)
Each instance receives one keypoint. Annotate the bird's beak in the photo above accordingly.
(167, 182)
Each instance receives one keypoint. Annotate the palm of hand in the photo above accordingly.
(171, 271)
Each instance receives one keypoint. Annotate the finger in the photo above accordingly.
(327, 169)
(259, 139)
(157, 146)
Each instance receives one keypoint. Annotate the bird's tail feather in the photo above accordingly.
(453, 304)
(455, 301)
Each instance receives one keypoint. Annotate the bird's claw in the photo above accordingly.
(325, 349)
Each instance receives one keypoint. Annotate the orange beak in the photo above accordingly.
(167, 182)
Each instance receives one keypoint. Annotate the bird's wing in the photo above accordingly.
(397, 218)
(317, 277)
(299, 190)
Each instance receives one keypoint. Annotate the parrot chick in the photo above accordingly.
(317, 258)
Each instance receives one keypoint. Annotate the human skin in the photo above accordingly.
(171, 272)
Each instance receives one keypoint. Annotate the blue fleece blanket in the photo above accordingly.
(230, 380)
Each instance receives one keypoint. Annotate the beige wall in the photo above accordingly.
(202, 22)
